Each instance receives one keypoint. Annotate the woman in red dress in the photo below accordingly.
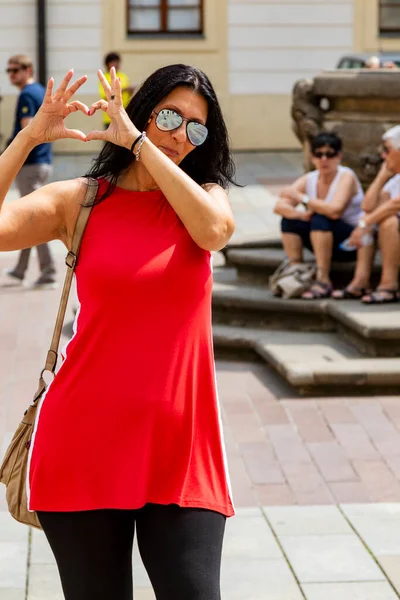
(128, 435)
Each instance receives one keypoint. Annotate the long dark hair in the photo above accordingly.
(209, 163)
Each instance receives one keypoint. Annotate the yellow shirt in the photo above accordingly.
(126, 96)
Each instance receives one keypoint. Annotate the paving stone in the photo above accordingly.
(355, 441)
(260, 463)
(378, 525)
(140, 577)
(144, 594)
(307, 520)
(372, 590)
(330, 558)
(12, 594)
(332, 461)
(10, 529)
(44, 583)
(279, 494)
(378, 479)
(41, 553)
(306, 483)
(391, 567)
(13, 562)
(257, 579)
(248, 535)
(310, 425)
(349, 491)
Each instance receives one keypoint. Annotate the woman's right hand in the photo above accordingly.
(48, 123)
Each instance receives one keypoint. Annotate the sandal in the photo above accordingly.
(355, 293)
(381, 296)
(318, 291)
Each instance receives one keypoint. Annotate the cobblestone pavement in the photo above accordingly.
(316, 481)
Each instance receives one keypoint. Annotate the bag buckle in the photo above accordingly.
(70, 260)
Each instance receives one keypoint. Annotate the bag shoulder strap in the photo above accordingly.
(70, 261)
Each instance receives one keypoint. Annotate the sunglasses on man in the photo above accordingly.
(14, 70)
(169, 120)
(327, 154)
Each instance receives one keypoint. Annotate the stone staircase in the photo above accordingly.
(320, 347)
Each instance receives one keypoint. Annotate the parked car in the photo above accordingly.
(359, 60)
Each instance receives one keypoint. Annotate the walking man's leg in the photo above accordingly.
(29, 179)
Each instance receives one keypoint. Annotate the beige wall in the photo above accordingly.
(252, 50)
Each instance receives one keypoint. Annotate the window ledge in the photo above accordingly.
(166, 36)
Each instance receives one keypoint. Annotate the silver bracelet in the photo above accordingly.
(141, 142)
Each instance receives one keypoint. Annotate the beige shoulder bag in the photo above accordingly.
(13, 471)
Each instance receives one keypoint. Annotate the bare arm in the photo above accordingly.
(388, 209)
(46, 214)
(375, 194)
(42, 215)
(289, 198)
(204, 210)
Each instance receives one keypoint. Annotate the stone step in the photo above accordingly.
(238, 304)
(314, 363)
(374, 330)
(258, 264)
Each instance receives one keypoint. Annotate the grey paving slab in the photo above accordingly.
(12, 594)
(378, 525)
(248, 535)
(41, 553)
(13, 564)
(44, 583)
(257, 579)
(144, 594)
(372, 590)
(10, 529)
(330, 558)
(307, 520)
(391, 568)
(140, 577)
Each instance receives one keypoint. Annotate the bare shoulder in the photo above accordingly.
(72, 195)
(300, 183)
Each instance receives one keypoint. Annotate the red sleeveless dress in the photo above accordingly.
(132, 415)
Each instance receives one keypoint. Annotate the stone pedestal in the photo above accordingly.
(358, 105)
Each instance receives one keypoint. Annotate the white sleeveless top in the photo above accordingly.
(353, 212)
(393, 186)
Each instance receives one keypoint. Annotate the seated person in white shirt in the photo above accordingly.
(331, 196)
(382, 205)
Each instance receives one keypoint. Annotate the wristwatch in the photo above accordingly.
(305, 199)
(362, 224)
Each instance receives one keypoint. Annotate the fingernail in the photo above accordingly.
(88, 112)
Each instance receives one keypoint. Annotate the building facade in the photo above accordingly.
(252, 50)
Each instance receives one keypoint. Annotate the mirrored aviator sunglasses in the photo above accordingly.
(169, 120)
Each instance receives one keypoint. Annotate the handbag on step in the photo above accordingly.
(14, 468)
(291, 280)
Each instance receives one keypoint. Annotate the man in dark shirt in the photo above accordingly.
(37, 167)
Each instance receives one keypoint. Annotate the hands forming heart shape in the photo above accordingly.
(48, 124)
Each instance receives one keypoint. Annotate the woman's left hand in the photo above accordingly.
(121, 131)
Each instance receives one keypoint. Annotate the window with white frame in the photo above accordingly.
(165, 16)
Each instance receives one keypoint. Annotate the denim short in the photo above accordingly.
(340, 230)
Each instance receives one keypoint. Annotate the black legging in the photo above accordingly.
(180, 549)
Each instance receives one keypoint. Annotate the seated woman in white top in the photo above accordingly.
(331, 196)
